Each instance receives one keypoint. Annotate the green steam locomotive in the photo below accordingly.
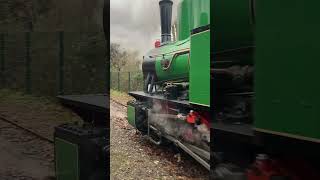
(175, 102)
(263, 90)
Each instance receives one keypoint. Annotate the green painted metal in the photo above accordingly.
(66, 160)
(179, 69)
(232, 24)
(199, 89)
(200, 13)
(131, 113)
(192, 14)
(286, 68)
(170, 48)
(183, 19)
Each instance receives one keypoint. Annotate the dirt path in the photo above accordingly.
(133, 157)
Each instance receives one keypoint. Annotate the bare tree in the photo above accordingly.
(123, 59)
(118, 57)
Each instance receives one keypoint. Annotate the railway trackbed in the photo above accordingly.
(117, 102)
(26, 130)
(24, 153)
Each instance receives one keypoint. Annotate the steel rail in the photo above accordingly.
(27, 130)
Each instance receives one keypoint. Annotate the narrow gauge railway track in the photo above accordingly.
(27, 130)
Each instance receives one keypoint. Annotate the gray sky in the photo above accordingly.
(135, 24)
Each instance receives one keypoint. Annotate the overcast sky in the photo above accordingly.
(135, 24)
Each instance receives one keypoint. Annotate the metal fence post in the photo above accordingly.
(108, 74)
(61, 63)
(118, 80)
(2, 59)
(129, 82)
(28, 63)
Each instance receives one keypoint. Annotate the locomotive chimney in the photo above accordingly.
(166, 16)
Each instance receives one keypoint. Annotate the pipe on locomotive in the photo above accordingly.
(166, 17)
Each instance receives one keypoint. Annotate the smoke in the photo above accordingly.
(135, 24)
(171, 125)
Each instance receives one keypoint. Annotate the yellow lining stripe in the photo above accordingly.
(200, 32)
(174, 52)
(199, 104)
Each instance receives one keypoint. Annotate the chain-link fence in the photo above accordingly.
(126, 81)
(51, 63)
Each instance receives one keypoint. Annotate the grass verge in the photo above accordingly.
(120, 96)
(46, 105)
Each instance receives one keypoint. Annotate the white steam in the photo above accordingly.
(135, 24)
